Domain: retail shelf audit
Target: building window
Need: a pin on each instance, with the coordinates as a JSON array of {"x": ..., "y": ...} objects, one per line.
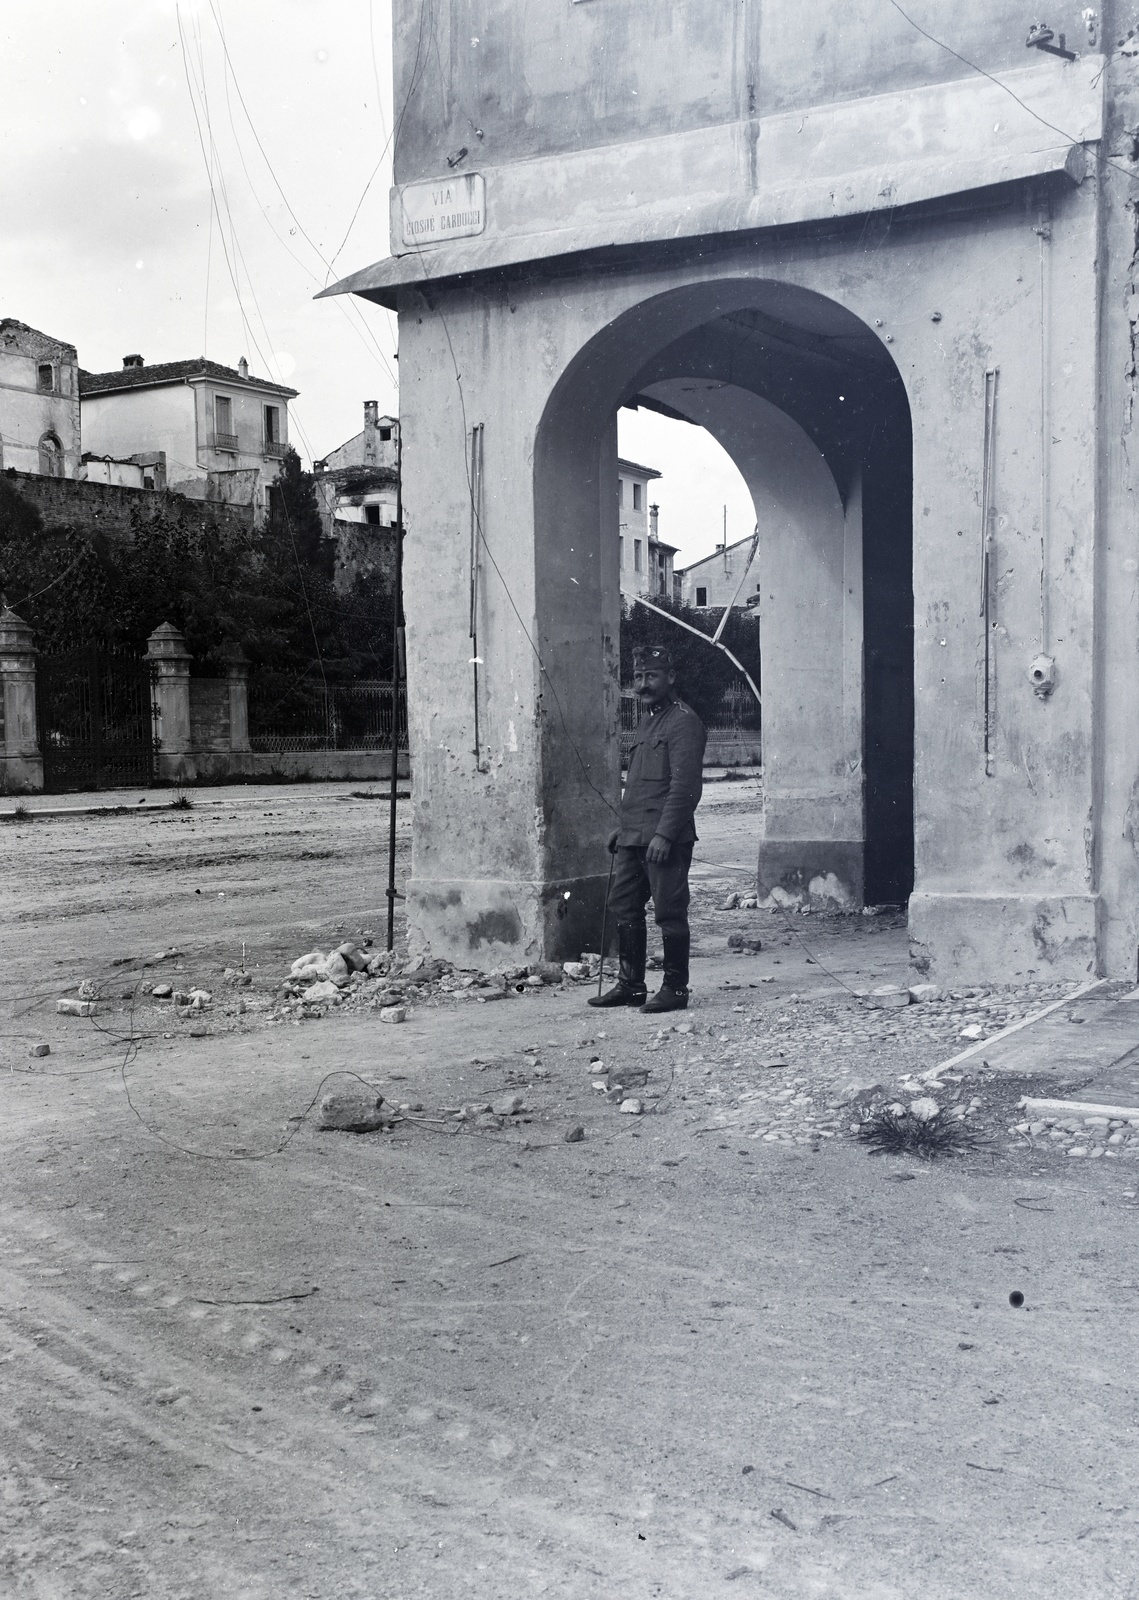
[
  {"x": 45, "y": 378},
  {"x": 51, "y": 456},
  {"x": 272, "y": 425},
  {"x": 620, "y": 491},
  {"x": 224, "y": 437},
  {"x": 638, "y": 563},
  {"x": 701, "y": 596},
  {"x": 385, "y": 435},
  {"x": 638, "y": 496},
  {"x": 372, "y": 515}
]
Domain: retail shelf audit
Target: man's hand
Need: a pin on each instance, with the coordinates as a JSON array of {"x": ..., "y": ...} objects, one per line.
[
  {"x": 611, "y": 842},
  {"x": 658, "y": 849}
]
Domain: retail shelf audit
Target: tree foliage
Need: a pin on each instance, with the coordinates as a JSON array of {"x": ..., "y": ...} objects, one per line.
[
  {"x": 703, "y": 673},
  {"x": 218, "y": 581}
]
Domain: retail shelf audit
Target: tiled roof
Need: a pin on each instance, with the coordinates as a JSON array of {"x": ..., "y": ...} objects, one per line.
[
  {"x": 166, "y": 372},
  {"x": 634, "y": 466},
  {"x": 10, "y": 323}
]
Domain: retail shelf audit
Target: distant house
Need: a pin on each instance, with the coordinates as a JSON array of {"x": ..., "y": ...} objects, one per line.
[
  {"x": 39, "y": 402},
  {"x": 646, "y": 562},
  {"x": 222, "y": 432},
  {"x": 713, "y": 581},
  {"x": 356, "y": 490}
]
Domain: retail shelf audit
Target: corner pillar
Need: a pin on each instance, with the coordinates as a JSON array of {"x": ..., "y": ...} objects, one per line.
[{"x": 21, "y": 765}]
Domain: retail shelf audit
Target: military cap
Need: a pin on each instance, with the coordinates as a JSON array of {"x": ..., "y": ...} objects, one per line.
[{"x": 652, "y": 655}]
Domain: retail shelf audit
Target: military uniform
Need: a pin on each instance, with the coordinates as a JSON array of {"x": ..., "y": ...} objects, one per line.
[{"x": 662, "y": 791}]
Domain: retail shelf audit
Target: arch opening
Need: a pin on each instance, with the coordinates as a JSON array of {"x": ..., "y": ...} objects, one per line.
[{"x": 809, "y": 405}]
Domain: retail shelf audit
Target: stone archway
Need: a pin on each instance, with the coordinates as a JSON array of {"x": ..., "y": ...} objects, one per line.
[{"x": 804, "y": 398}]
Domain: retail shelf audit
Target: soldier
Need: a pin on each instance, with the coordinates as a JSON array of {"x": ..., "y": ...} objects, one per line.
[{"x": 653, "y": 844}]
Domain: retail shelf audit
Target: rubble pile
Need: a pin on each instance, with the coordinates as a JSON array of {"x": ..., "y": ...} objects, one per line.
[{"x": 354, "y": 977}]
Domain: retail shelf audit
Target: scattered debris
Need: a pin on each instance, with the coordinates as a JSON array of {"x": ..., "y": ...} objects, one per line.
[
  {"x": 353, "y": 1112},
  {"x": 575, "y": 1134},
  {"x": 40, "y": 1050},
  {"x": 393, "y": 1014},
  {"x": 887, "y": 996},
  {"x": 75, "y": 1008}
]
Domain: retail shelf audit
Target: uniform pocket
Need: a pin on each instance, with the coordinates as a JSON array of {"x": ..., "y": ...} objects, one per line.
[{"x": 654, "y": 763}]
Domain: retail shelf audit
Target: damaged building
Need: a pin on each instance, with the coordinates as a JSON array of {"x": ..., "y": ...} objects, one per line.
[
  {"x": 892, "y": 269},
  {"x": 357, "y": 493}
]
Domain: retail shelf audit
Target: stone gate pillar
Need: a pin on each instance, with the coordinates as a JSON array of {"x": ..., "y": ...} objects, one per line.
[
  {"x": 174, "y": 759},
  {"x": 21, "y": 765}
]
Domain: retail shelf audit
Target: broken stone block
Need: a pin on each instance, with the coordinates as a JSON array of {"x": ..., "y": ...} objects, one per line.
[
  {"x": 336, "y": 969},
  {"x": 87, "y": 990},
  {"x": 393, "y": 1013},
  {"x": 730, "y": 903},
  {"x": 924, "y": 1109},
  {"x": 575, "y": 1134},
  {"x": 508, "y": 1107},
  {"x": 578, "y": 970},
  {"x": 201, "y": 998},
  {"x": 548, "y": 971},
  {"x": 75, "y": 1008},
  {"x": 743, "y": 941},
  {"x": 162, "y": 991},
  {"x": 40, "y": 1050},
  {"x": 352, "y": 1112},
  {"x": 888, "y": 995},
  {"x": 487, "y": 1119},
  {"x": 921, "y": 993},
  {"x": 973, "y": 1031},
  {"x": 631, "y": 1107},
  {"x": 314, "y": 958},
  {"x": 324, "y": 990},
  {"x": 236, "y": 978},
  {"x": 858, "y": 1093}
]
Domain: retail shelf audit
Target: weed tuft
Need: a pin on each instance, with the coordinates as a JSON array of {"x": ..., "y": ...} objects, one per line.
[{"x": 900, "y": 1133}]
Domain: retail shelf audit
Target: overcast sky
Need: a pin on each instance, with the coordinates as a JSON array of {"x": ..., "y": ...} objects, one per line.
[{"x": 114, "y": 117}]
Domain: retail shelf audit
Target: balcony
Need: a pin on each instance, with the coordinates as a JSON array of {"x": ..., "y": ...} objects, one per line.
[
  {"x": 224, "y": 441},
  {"x": 273, "y": 449}
]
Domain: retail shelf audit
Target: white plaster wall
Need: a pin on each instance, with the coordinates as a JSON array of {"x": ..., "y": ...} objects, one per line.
[
  {"x": 990, "y": 849},
  {"x": 128, "y": 421},
  {"x": 809, "y": 563}
]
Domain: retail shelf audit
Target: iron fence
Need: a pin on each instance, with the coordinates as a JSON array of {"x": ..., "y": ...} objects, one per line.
[
  {"x": 95, "y": 719},
  {"x": 335, "y": 716}
]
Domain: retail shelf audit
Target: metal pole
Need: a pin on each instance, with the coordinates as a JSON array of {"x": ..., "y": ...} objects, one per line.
[{"x": 398, "y": 659}]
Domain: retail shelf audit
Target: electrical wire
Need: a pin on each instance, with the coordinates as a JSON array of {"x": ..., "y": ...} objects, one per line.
[
  {"x": 974, "y": 67},
  {"x": 231, "y": 73}
]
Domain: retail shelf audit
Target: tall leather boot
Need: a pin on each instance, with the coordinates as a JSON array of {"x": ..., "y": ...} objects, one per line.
[
  {"x": 673, "y": 992},
  {"x": 629, "y": 990}
]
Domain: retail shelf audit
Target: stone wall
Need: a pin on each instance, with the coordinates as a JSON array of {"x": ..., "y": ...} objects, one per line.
[
  {"x": 112, "y": 509},
  {"x": 209, "y": 714}
]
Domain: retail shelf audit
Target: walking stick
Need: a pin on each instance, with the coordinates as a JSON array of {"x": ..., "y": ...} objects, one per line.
[{"x": 604, "y": 923}]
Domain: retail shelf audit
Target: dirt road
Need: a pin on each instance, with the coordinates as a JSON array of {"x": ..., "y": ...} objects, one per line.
[{"x": 673, "y": 1359}]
